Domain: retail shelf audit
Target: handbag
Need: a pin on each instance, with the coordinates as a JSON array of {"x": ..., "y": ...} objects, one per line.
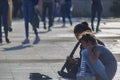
[{"x": 35, "y": 21}]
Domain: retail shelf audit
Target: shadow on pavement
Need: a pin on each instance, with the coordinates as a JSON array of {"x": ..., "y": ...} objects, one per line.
[
  {"x": 17, "y": 47},
  {"x": 39, "y": 76}
]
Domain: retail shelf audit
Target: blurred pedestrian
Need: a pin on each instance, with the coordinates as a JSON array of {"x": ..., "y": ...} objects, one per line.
[
  {"x": 57, "y": 7},
  {"x": 96, "y": 9},
  {"x": 17, "y": 7},
  {"x": 48, "y": 11},
  {"x": 29, "y": 9},
  {"x": 66, "y": 9},
  {"x": 4, "y": 7}
]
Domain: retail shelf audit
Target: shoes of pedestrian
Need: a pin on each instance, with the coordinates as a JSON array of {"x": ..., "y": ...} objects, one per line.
[
  {"x": 71, "y": 23},
  {"x": 9, "y": 29},
  {"x": 8, "y": 41},
  {"x": 98, "y": 30},
  {"x": 60, "y": 73},
  {"x": 49, "y": 29},
  {"x": 26, "y": 41},
  {"x": 37, "y": 40},
  {"x": 0, "y": 41}
]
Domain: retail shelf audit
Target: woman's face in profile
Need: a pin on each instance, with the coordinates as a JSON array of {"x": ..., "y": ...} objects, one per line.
[{"x": 78, "y": 36}]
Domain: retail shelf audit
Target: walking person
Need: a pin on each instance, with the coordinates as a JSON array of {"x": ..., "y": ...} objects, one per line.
[
  {"x": 48, "y": 11},
  {"x": 4, "y": 7},
  {"x": 29, "y": 10},
  {"x": 66, "y": 6},
  {"x": 17, "y": 7},
  {"x": 96, "y": 9}
]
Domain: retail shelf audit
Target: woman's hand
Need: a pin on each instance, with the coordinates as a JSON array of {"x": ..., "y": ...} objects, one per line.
[
  {"x": 36, "y": 7},
  {"x": 94, "y": 56},
  {"x": 71, "y": 60}
]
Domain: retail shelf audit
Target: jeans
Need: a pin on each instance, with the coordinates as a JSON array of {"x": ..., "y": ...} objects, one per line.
[
  {"x": 97, "y": 68},
  {"x": 28, "y": 11},
  {"x": 48, "y": 6},
  {"x": 96, "y": 9},
  {"x": 4, "y": 19},
  {"x": 65, "y": 12}
]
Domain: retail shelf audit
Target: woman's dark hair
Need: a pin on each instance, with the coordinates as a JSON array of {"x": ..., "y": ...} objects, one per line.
[
  {"x": 88, "y": 37},
  {"x": 81, "y": 27}
]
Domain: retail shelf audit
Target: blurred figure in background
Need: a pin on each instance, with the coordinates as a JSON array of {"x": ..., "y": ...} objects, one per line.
[
  {"x": 4, "y": 7},
  {"x": 66, "y": 7},
  {"x": 96, "y": 8},
  {"x": 57, "y": 7},
  {"x": 47, "y": 7},
  {"x": 17, "y": 8},
  {"x": 29, "y": 9}
]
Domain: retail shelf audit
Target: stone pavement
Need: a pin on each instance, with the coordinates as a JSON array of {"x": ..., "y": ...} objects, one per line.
[{"x": 18, "y": 61}]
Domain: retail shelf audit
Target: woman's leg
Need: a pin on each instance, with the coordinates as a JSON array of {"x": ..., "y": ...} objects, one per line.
[
  {"x": 63, "y": 14},
  {"x": 99, "y": 14},
  {"x": 50, "y": 15},
  {"x": 5, "y": 21},
  {"x": 97, "y": 68},
  {"x": 93, "y": 13},
  {"x": 0, "y": 29},
  {"x": 26, "y": 18},
  {"x": 44, "y": 11},
  {"x": 68, "y": 12},
  {"x": 31, "y": 13}
]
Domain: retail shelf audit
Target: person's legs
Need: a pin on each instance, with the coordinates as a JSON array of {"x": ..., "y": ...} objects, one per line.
[
  {"x": 5, "y": 21},
  {"x": 93, "y": 13},
  {"x": 99, "y": 13},
  {"x": 15, "y": 8},
  {"x": 50, "y": 15},
  {"x": 111, "y": 70},
  {"x": 97, "y": 68},
  {"x": 31, "y": 13},
  {"x": 68, "y": 12},
  {"x": 26, "y": 16},
  {"x": 44, "y": 10},
  {"x": 0, "y": 28},
  {"x": 25, "y": 12},
  {"x": 63, "y": 14}
]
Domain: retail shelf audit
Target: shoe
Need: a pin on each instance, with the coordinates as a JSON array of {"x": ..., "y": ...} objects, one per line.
[
  {"x": 63, "y": 25},
  {"x": 92, "y": 27},
  {"x": 9, "y": 29},
  {"x": 98, "y": 30},
  {"x": 37, "y": 40},
  {"x": 0, "y": 41},
  {"x": 26, "y": 41},
  {"x": 71, "y": 23},
  {"x": 49, "y": 29},
  {"x": 8, "y": 41}
]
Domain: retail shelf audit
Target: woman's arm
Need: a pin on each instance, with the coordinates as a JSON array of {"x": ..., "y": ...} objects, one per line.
[{"x": 94, "y": 55}]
